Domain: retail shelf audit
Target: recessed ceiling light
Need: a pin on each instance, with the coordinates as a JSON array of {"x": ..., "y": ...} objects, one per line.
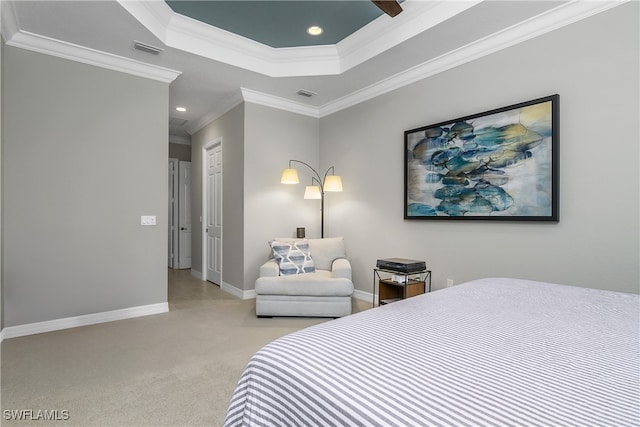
[
  {"x": 314, "y": 30},
  {"x": 181, "y": 109}
]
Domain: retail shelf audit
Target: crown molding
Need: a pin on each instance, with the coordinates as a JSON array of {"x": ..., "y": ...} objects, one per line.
[
  {"x": 14, "y": 36},
  {"x": 252, "y": 97},
  {"x": 196, "y": 37},
  {"x": 267, "y": 100},
  {"x": 383, "y": 33},
  {"x": 210, "y": 42},
  {"x": 551, "y": 20},
  {"x": 73, "y": 52},
  {"x": 176, "y": 29},
  {"x": 561, "y": 16}
]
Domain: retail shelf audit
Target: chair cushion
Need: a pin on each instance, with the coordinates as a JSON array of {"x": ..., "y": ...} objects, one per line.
[
  {"x": 292, "y": 256},
  {"x": 319, "y": 283},
  {"x": 325, "y": 251}
]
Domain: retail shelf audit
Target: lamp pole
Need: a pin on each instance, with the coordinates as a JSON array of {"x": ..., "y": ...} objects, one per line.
[{"x": 321, "y": 185}]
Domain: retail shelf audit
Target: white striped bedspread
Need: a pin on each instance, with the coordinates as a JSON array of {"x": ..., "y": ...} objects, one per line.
[{"x": 491, "y": 352}]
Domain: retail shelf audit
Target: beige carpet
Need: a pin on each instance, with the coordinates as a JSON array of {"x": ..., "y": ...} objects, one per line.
[{"x": 172, "y": 369}]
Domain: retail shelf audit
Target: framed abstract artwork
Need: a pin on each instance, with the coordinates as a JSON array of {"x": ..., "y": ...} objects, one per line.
[{"x": 496, "y": 165}]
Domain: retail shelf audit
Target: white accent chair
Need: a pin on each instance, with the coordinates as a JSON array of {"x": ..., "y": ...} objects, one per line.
[{"x": 324, "y": 293}]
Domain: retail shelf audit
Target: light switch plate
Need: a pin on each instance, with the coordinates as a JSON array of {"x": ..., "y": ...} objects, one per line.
[{"x": 148, "y": 220}]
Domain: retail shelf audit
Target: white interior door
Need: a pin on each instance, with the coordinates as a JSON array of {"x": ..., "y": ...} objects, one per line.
[
  {"x": 213, "y": 214},
  {"x": 184, "y": 214},
  {"x": 172, "y": 259}
]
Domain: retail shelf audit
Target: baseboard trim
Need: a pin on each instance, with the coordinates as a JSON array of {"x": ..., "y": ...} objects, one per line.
[
  {"x": 197, "y": 274},
  {"x": 362, "y": 295},
  {"x": 126, "y": 313},
  {"x": 88, "y": 319},
  {"x": 242, "y": 294}
]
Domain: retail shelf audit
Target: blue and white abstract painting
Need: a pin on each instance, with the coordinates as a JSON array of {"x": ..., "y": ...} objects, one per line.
[{"x": 495, "y": 164}]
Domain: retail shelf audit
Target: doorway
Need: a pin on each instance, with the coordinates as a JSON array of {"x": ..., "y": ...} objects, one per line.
[
  {"x": 212, "y": 211},
  {"x": 173, "y": 214},
  {"x": 179, "y": 232}
]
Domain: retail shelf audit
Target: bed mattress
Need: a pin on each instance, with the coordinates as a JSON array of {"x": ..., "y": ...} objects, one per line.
[{"x": 490, "y": 352}]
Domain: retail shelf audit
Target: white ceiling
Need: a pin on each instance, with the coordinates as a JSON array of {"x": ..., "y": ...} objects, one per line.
[{"x": 216, "y": 70}]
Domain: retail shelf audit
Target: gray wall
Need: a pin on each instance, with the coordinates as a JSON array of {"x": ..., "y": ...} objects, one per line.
[
  {"x": 1, "y": 221},
  {"x": 257, "y": 143},
  {"x": 272, "y": 209},
  {"x": 365, "y": 144},
  {"x": 593, "y": 65},
  {"x": 84, "y": 156},
  {"x": 230, "y": 128}
]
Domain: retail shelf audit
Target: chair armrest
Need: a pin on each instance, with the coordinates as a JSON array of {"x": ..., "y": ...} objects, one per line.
[
  {"x": 270, "y": 269},
  {"x": 341, "y": 268}
]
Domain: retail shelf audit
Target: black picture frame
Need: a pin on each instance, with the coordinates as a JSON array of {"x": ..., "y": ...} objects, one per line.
[{"x": 498, "y": 165}]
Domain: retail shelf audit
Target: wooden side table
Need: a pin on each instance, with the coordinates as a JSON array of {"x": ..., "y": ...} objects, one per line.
[{"x": 409, "y": 285}]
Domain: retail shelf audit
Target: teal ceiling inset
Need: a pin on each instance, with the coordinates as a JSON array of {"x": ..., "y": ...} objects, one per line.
[{"x": 282, "y": 23}]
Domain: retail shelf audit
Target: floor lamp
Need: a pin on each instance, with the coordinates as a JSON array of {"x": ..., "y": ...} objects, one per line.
[{"x": 329, "y": 182}]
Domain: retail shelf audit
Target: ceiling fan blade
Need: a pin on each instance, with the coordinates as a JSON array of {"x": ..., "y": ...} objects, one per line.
[{"x": 390, "y": 7}]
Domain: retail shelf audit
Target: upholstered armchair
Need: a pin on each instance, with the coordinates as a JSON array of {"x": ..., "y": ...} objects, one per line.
[{"x": 306, "y": 277}]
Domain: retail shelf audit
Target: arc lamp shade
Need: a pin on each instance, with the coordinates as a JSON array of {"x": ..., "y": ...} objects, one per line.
[
  {"x": 333, "y": 183},
  {"x": 289, "y": 176},
  {"x": 312, "y": 192}
]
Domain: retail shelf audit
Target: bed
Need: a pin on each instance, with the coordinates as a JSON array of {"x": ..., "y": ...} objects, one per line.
[{"x": 490, "y": 352}]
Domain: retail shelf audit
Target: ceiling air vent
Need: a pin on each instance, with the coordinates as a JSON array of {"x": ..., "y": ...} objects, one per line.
[
  {"x": 147, "y": 48},
  {"x": 306, "y": 93}
]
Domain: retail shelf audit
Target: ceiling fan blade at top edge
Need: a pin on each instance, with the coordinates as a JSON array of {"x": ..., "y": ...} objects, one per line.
[{"x": 390, "y": 7}]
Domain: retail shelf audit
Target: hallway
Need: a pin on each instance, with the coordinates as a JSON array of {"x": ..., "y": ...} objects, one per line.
[{"x": 187, "y": 291}]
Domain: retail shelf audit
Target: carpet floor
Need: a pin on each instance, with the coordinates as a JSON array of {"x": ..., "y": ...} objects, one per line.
[{"x": 172, "y": 369}]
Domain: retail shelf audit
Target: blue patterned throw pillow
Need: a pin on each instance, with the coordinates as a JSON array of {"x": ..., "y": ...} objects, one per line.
[{"x": 293, "y": 257}]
